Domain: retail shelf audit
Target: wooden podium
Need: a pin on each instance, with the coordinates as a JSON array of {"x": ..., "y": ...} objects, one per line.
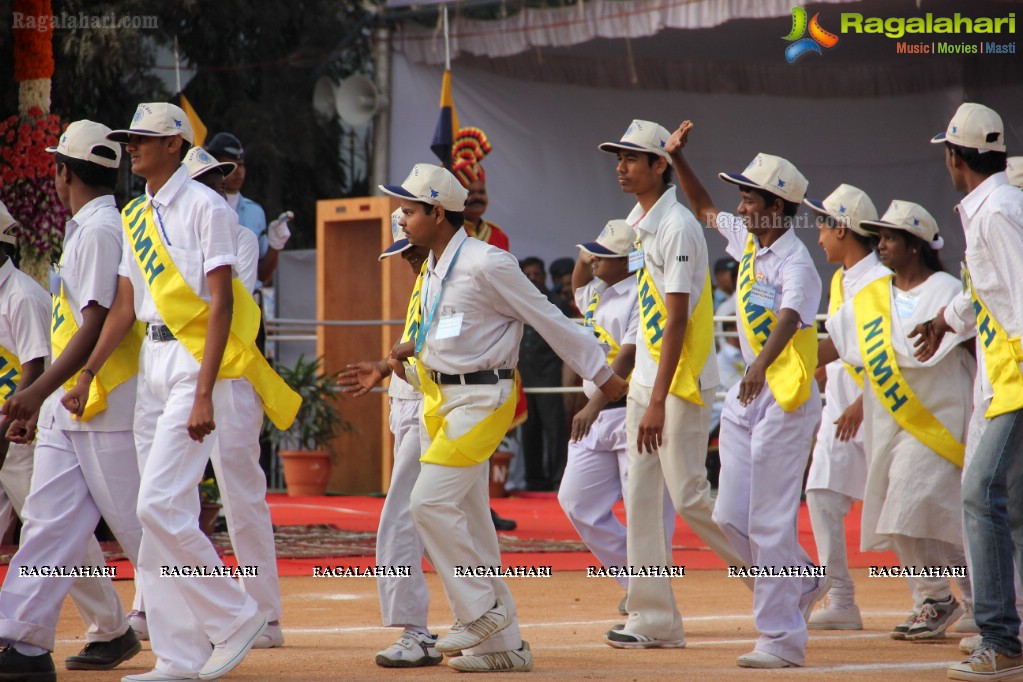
[{"x": 353, "y": 285}]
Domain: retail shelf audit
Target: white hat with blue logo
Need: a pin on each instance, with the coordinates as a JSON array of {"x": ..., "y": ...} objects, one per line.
[
  {"x": 909, "y": 217},
  {"x": 199, "y": 161},
  {"x": 974, "y": 126},
  {"x": 401, "y": 242},
  {"x": 772, "y": 174},
  {"x": 616, "y": 240},
  {"x": 848, "y": 205},
  {"x": 156, "y": 119},
  {"x": 430, "y": 184},
  {"x": 87, "y": 141},
  {"x": 642, "y": 136}
]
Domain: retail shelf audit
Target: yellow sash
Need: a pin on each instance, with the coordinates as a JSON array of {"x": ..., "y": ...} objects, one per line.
[
  {"x": 472, "y": 447},
  {"x": 187, "y": 316},
  {"x": 602, "y": 334},
  {"x": 837, "y": 298},
  {"x": 696, "y": 344},
  {"x": 872, "y": 306},
  {"x": 791, "y": 374},
  {"x": 121, "y": 366},
  {"x": 1002, "y": 358},
  {"x": 10, "y": 374}
]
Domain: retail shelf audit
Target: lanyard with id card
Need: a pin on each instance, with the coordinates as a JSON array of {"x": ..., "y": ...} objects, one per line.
[{"x": 450, "y": 325}]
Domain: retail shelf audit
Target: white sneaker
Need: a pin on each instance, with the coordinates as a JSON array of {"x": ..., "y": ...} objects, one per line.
[
  {"x": 969, "y": 644},
  {"x": 137, "y": 622},
  {"x": 412, "y": 650},
  {"x": 966, "y": 624},
  {"x": 518, "y": 660},
  {"x": 830, "y": 618},
  {"x": 271, "y": 638},
  {"x": 154, "y": 676},
  {"x": 809, "y": 599},
  {"x": 479, "y": 630},
  {"x": 762, "y": 659},
  {"x": 228, "y": 654},
  {"x": 627, "y": 639}
]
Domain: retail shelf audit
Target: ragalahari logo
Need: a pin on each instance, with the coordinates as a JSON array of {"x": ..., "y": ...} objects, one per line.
[{"x": 818, "y": 36}]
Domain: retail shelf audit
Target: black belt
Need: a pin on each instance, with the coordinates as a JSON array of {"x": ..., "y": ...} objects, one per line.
[
  {"x": 617, "y": 403},
  {"x": 159, "y": 332},
  {"x": 484, "y": 376}
]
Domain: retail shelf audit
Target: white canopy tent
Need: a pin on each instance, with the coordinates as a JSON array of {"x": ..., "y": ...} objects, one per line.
[{"x": 548, "y": 85}]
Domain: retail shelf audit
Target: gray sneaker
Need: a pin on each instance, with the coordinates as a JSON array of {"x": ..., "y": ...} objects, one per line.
[
  {"x": 900, "y": 630},
  {"x": 934, "y": 618},
  {"x": 412, "y": 650}
]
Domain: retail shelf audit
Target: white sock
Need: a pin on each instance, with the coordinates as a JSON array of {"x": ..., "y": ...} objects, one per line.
[{"x": 29, "y": 649}]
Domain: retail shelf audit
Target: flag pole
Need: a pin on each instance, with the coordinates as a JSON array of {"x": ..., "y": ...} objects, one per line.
[
  {"x": 177, "y": 65},
  {"x": 447, "y": 39}
]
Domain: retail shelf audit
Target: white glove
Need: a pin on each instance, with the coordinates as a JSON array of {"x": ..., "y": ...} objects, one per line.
[{"x": 277, "y": 233}]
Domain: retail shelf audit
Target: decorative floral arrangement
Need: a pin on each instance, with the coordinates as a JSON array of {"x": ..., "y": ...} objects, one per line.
[
  {"x": 209, "y": 491},
  {"x": 27, "y": 184},
  {"x": 33, "y": 49}
]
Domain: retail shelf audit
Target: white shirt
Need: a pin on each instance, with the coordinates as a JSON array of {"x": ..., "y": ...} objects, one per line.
[
  {"x": 992, "y": 217},
  {"x": 88, "y": 270},
  {"x": 494, "y": 299},
  {"x": 675, "y": 255},
  {"x": 24, "y": 317},
  {"x": 248, "y": 256},
  {"x": 617, "y": 313},
  {"x": 189, "y": 218},
  {"x": 785, "y": 265}
]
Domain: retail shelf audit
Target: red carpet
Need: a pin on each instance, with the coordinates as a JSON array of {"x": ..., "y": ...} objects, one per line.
[{"x": 539, "y": 517}]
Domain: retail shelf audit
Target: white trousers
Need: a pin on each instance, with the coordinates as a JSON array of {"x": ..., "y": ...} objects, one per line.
[
  {"x": 928, "y": 552},
  {"x": 184, "y": 614},
  {"x": 403, "y": 601},
  {"x": 595, "y": 478},
  {"x": 681, "y": 465},
  {"x": 451, "y": 510},
  {"x": 242, "y": 486},
  {"x": 78, "y": 477},
  {"x": 764, "y": 451},
  {"x": 828, "y": 510}
]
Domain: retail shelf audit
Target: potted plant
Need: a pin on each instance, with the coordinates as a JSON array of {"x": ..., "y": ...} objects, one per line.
[
  {"x": 209, "y": 505},
  {"x": 305, "y": 447}
]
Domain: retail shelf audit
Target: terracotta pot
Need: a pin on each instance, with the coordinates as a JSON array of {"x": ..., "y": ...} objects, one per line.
[
  {"x": 208, "y": 513},
  {"x": 306, "y": 472},
  {"x": 499, "y": 463}
]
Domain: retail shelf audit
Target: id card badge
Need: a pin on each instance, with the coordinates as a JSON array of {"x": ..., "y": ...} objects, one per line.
[
  {"x": 905, "y": 305},
  {"x": 55, "y": 281},
  {"x": 636, "y": 259},
  {"x": 763, "y": 295},
  {"x": 449, "y": 326}
]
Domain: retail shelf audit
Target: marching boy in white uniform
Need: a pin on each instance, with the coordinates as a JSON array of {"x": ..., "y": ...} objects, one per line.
[
  {"x": 838, "y": 470},
  {"x": 596, "y": 475},
  {"x": 84, "y": 468},
  {"x": 769, "y": 417},
  {"x": 404, "y": 601},
  {"x": 176, "y": 276},
  {"x": 671, "y": 390},
  {"x": 475, "y": 301}
]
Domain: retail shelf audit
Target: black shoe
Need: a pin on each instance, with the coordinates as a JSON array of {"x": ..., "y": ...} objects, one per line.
[
  {"x": 502, "y": 523},
  {"x": 105, "y": 655},
  {"x": 18, "y": 667}
]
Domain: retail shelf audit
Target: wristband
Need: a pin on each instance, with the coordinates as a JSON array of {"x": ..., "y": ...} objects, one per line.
[{"x": 91, "y": 373}]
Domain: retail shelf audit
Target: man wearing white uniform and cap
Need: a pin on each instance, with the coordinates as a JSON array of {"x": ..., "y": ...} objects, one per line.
[
  {"x": 85, "y": 468},
  {"x": 176, "y": 276},
  {"x": 475, "y": 301},
  {"x": 992, "y": 216},
  {"x": 770, "y": 417},
  {"x": 404, "y": 600},
  {"x": 596, "y": 475},
  {"x": 838, "y": 470},
  {"x": 671, "y": 390}
]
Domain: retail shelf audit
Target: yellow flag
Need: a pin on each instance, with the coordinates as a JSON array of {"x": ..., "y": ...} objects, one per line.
[{"x": 198, "y": 127}]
